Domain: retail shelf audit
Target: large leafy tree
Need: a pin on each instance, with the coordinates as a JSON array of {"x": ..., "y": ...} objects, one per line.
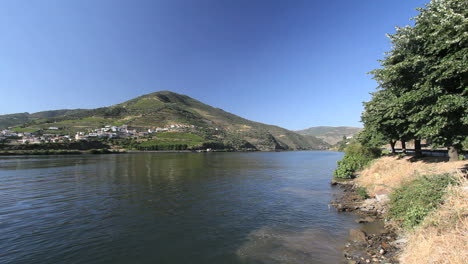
[
  {"x": 426, "y": 72},
  {"x": 443, "y": 27},
  {"x": 381, "y": 118},
  {"x": 398, "y": 81}
]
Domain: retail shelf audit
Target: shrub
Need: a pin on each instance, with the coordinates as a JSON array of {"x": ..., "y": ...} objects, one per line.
[
  {"x": 410, "y": 203},
  {"x": 362, "y": 192},
  {"x": 356, "y": 157}
]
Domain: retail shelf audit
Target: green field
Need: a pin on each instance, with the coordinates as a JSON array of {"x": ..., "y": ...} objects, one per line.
[{"x": 22, "y": 129}]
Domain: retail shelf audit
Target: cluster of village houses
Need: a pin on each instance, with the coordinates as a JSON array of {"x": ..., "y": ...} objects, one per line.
[{"x": 122, "y": 131}]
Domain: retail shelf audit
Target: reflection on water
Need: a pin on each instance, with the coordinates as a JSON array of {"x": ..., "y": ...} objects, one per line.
[
  {"x": 306, "y": 193},
  {"x": 170, "y": 208}
]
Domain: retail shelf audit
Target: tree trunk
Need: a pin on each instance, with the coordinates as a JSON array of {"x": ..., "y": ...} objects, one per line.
[
  {"x": 392, "y": 145},
  {"x": 417, "y": 148},
  {"x": 452, "y": 153},
  {"x": 403, "y": 146}
]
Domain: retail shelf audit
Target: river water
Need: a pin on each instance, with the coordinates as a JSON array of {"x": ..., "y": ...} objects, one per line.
[{"x": 171, "y": 208}]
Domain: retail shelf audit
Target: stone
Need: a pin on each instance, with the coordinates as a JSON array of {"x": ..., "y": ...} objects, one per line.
[
  {"x": 369, "y": 202},
  {"x": 369, "y": 205},
  {"x": 365, "y": 220},
  {"x": 384, "y": 245},
  {"x": 357, "y": 235},
  {"x": 400, "y": 242},
  {"x": 382, "y": 198}
]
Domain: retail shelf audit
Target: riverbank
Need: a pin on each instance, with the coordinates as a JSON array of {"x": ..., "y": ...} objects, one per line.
[
  {"x": 97, "y": 151},
  {"x": 375, "y": 245},
  {"x": 58, "y": 152},
  {"x": 114, "y": 151},
  {"x": 439, "y": 235}
]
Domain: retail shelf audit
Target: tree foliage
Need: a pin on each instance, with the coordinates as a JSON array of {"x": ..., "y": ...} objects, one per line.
[
  {"x": 423, "y": 80},
  {"x": 356, "y": 158}
]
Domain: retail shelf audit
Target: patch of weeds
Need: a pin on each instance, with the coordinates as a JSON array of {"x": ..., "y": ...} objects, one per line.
[
  {"x": 386, "y": 152},
  {"x": 361, "y": 191},
  {"x": 409, "y": 204}
]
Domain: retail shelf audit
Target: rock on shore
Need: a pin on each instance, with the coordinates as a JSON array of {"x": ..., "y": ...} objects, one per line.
[{"x": 377, "y": 246}]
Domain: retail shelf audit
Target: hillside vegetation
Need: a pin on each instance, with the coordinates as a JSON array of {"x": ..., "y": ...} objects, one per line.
[{"x": 162, "y": 109}]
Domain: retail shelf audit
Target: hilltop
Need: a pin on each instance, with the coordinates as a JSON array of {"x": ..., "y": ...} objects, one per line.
[
  {"x": 163, "y": 109},
  {"x": 329, "y": 134}
]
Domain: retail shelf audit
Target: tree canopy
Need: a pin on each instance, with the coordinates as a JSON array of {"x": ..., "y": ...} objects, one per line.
[{"x": 422, "y": 90}]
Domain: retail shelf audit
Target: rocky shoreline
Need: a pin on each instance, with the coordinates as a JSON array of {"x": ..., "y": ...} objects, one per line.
[{"x": 374, "y": 241}]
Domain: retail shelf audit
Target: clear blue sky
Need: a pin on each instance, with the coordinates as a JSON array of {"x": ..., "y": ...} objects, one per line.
[{"x": 291, "y": 63}]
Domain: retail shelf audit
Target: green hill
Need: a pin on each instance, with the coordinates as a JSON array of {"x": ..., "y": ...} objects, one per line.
[
  {"x": 329, "y": 134},
  {"x": 24, "y": 119},
  {"x": 162, "y": 109}
]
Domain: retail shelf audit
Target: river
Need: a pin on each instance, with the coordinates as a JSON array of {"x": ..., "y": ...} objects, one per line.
[{"x": 171, "y": 208}]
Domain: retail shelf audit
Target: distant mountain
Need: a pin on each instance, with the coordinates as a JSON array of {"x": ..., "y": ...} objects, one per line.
[
  {"x": 10, "y": 120},
  {"x": 331, "y": 135},
  {"x": 161, "y": 109}
]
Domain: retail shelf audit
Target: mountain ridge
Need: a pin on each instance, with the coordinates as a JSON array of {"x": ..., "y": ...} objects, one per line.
[
  {"x": 330, "y": 134},
  {"x": 165, "y": 108}
]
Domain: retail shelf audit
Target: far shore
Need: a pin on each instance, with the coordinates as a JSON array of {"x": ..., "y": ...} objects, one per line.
[{"x": 104, "y": 151}]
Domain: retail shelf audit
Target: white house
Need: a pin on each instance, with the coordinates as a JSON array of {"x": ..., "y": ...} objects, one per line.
[{"x": 80, "y": 136}]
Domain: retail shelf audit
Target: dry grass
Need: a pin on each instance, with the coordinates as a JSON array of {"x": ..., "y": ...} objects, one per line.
[
  {"x": 388, "y": 173},
  {"x": 443, "y": 236}
]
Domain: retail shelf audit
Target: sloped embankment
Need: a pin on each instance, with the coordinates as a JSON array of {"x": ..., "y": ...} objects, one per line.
[
  {"x": 388, "y": 173},
  {"x": 443, "y": 235},
  {"x": 426, "y": 211}
]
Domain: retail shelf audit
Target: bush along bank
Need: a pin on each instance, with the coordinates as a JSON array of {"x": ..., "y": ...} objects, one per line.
[
  {"x": 405, "y": 196},
  {"x": 355, "y": 159}
]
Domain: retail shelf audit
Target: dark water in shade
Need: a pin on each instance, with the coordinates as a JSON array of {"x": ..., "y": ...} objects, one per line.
[{"x": 170, "y": 208}]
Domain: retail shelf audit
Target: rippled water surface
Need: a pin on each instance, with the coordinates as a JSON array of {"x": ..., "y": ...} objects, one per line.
[{"x": 170, "y": 208}]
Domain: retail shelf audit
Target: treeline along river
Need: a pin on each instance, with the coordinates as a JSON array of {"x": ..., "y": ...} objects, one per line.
[{"x": 170, "y": 208}]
